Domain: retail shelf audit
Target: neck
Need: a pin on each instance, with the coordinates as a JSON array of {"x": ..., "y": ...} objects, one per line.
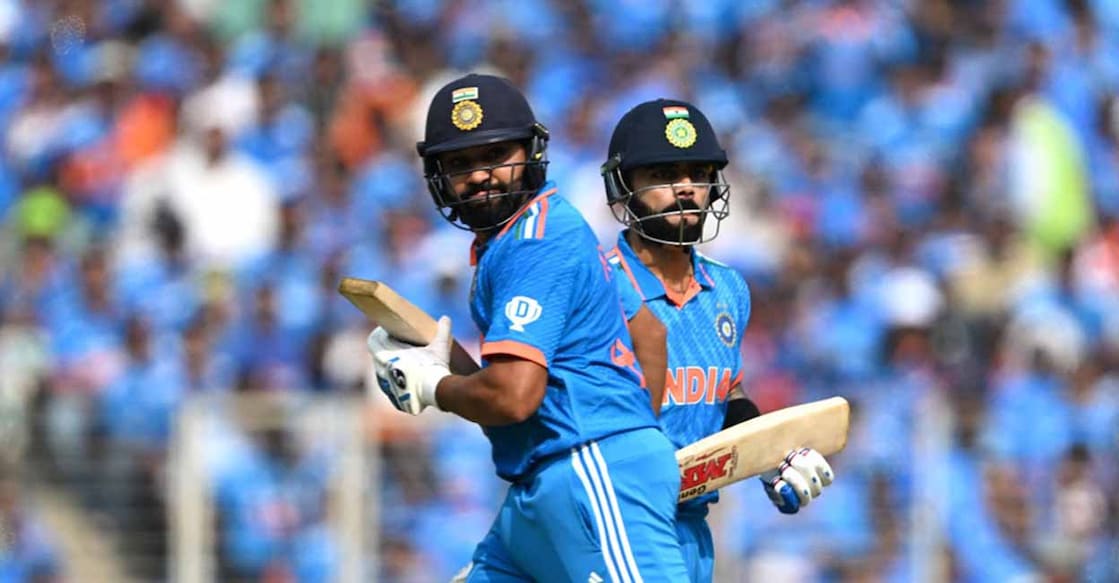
[{"x": 671, "y": 263}]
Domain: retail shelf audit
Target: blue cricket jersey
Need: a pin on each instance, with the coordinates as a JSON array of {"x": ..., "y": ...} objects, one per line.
[
  {"x": 705, "y": 328},
  {"x": 542, "y": 291}
]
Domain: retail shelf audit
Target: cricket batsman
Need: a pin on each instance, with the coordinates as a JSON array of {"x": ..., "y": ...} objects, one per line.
[
  {"x": 593, "y": 480},
  {"x": 664, "y": 182}
]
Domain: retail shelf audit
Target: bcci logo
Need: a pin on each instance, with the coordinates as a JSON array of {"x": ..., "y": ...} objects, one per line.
[
  {"x": 680, "y": 133},
  {"x": 467, "y": 115},
  {"x": 522, "y": 310},
  {"x": 725, "y": 328}
]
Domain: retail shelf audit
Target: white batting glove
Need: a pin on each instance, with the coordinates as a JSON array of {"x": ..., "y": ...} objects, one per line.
[
  {"x": 408, "y": 375},
  {"x": 798, "y": 480}
]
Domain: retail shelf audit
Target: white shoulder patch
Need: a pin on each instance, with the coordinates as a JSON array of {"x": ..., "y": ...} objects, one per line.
[{"x": 522, "y": 310}]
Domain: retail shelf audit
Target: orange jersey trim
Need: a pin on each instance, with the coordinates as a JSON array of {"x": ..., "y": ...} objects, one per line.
[
  {"x": 517, "y": 349},
  {"x": 680, "y": 299},
  {"x": 707, "y": 276},
  {"x": 540, "y": 220},
  {"x": 542, "y": 198},
  {"x": 629, "y": 273}
]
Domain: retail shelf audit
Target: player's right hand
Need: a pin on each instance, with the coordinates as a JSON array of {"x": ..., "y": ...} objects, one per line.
[
  {"x": 798, "y": 480},
  {"x": 409, "y": 375}
]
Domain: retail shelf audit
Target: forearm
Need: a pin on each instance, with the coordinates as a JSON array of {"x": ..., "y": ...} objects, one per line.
[
  {"x": 652, "y": 355},
  {"x": 650, "y": 348},
  {"x": 482, "y": 398}
]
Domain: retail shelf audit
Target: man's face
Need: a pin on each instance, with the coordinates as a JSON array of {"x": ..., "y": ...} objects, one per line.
[
  {"x": 481, "y": 176},
  {"x": 679, "y": 191}
]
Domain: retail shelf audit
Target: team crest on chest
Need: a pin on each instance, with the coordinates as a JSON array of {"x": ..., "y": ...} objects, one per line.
[{"x": 725, "y": 328}]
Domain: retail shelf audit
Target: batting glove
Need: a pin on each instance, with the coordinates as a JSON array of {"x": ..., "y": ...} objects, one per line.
[
  {"x": 798, "y": 480},
  {"x": 408, "y": 375}
]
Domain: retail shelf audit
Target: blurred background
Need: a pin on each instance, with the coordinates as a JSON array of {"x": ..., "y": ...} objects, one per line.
[{"x": 925, "y": 201}]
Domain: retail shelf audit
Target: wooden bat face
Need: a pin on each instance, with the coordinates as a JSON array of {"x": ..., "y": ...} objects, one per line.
[
  {"x": 760, "y": 444},
  {"x": 401, "y": 318}
]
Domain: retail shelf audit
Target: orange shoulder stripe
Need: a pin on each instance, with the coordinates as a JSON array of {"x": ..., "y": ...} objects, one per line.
[
  {"x": 516, "y": 217},
  {"x": 625, "y": 267}
]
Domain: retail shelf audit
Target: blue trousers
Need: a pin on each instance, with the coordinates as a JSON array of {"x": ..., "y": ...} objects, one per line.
[
  {"x": 695, "y": 542},
  {"x": 604, "y": 512}
]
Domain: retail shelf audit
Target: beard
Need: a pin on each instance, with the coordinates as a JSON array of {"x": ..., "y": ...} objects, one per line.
[
  {"x": 654, "y": 223},
  {"x": 488, "y": 211}
]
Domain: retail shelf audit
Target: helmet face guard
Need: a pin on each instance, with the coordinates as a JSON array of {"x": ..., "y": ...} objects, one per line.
[
  {"x": 480, "y": 214},
  {"x": 652, "y": 224}
]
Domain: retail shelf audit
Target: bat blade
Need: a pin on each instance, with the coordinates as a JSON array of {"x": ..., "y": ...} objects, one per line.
[
  {"x": 401, "y": 318},
  {"x": 760, "y": 444}
]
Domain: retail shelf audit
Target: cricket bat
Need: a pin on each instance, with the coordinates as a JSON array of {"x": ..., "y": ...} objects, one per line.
[
  {"x": 760, "y": 444},
  {"x": 401, "y": 318},
  {"x": 734, "y": 454}
]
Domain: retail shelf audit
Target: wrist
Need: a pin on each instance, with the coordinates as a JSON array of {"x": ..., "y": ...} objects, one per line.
[{"x": 431, "y": 379}]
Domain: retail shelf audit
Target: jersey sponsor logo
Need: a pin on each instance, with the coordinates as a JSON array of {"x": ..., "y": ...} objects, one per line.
[
  {"x": 725, "y": 328},
  {"x": 691, "y": 385},
  {"x": 522, "y": 310},
  {"x": 697, "y": 475}
]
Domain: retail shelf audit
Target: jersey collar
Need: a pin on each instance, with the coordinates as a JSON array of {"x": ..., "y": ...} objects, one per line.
[
  {"x": 649, "y": 285},
  {"x": 477, "y": 247}
]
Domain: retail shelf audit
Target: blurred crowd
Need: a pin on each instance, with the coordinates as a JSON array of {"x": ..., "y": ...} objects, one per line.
[{"x": 925, "y": 204}]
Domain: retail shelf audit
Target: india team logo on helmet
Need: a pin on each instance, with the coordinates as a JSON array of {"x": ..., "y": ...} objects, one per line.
[
  {"x": 466, "y": 114},
  {"x": 679, "y": 131}
]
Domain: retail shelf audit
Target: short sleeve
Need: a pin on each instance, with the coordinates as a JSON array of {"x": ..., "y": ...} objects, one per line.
[
  {"x": 744, "y": 303},
  {"x": 532, "y": 283},
  {"x": 631, "y": 299}
]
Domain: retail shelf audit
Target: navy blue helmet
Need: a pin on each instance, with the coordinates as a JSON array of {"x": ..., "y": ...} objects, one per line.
[
  {"x": 665, "y": 131},
  {"x": 477, "y": 110}
]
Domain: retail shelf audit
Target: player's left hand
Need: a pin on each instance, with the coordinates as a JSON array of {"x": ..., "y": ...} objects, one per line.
[
  {"x": 408, "y": 375},
  {"x": 798, "y": 480}
]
